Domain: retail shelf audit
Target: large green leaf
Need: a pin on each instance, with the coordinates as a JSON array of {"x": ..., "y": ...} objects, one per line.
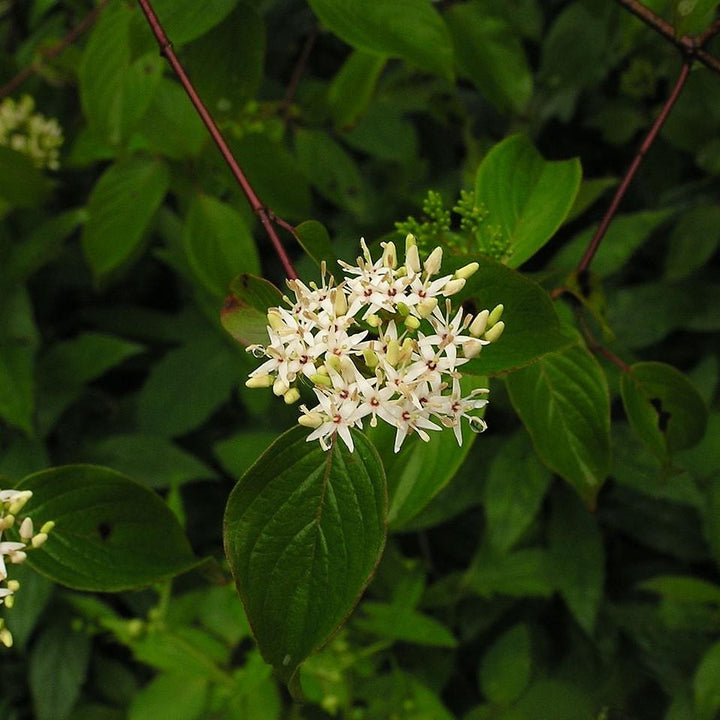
[
  {"x": 111, "y": 533},
  {"x": 707, "y": 684},
  {"x": 304, "y": 530},
  {"x": 409, "y": 29},
  {"x": 244, "y": 314},
  {"x": 352, "y": 88},
  {"x": 663, "y": 407},
  {"x": 58, "y": 666},
  {"x": 489, "y": 52},
  {"x": 120, "y": 208},
  {"x": 578, "y": 557},
  {"x": 532, "y": 327},
  {"x": 563, "y": 401},
  {"x": 218, "y": 244},
  {"x": 235, "y": 50},
  {"x": 693, "y": 241},
  {"x": 515, "y": 487},
  {"x": 526, "y": 197},
  {"x": 505, "y": 669}
]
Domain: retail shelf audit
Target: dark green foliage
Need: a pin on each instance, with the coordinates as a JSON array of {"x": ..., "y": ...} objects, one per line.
[{"x": 563, "y": 565}]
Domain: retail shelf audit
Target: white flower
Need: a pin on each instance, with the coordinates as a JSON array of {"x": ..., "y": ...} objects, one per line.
[{"x": 377, "y": 345}]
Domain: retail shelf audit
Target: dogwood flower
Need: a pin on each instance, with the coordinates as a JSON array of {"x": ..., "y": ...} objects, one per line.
[
  {"x": 30, "y": 133},
  {"x": 385, "y": 343},
  {"x": 14, "y": 552}
]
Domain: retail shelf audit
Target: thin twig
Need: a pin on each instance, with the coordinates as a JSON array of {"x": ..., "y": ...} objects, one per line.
[
  {"x": 298, "y": 71},
  {"x": 692, "y": 47},
  {"x": 53, "y": 51},
  {"x": 705, "y": 37},
  {"x": 595, "y": 347},
  {"x": 260, "y": 210},
  {"x": 630, "y": 174}
]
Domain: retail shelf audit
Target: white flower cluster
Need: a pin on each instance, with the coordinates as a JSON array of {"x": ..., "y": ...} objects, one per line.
[
  {"x": 384, "y": 343},
  {"x": 11, "y": 503},
  {"x": 30, "y": 133}
]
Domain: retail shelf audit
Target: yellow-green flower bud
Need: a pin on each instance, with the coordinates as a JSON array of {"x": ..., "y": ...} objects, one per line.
[
  {"x": 9, "y": 601},
  {"x": 389, "y": 257},
  {"x": 333, "y": 361},
  {"x": 412, "y": 322},
  {"x": 47, "y": 527},
  {"x": 310, "y": 419},
  {"x": 472, "y": 348},
  {"x": 373, "y": 321},
  {"x": 38, "y": 540},
  {"x": 410, "y": 242},
  {"x": 426, "y": 306},
  {"x": 19, "y": 502},
  {"x": 280, "y": 387},
  {"x": 340, "y": 303},
  {"x": 393, "y": 352},
  {"x": 454, "y": 286},
  {"x": 434, "y": 261},
  {"x": 274, "y": 319},
  {"x": 478, "y": 325},
  {"x": 26, "y": 529},
  {"x": 495, "y": 332},
  {"x": 495, "y": 315},
  {"x": 13, "y": 585},
  {"x": 467, "y": 271},
  {"x": 371, "y": 358},
  {"x": 290, "y": 397},
  {"x": 5, "y": 636},
  {"x": 412, "y": 258},
  {"x": 320, "y": 379},
  {"x": 403, "y": 309}
]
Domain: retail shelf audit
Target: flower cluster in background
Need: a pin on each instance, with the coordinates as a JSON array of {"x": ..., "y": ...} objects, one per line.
[
  {"x": 14, "y": 552},
  {"x": 30, "y": 133},
  {"x": 384, "y": 343}
]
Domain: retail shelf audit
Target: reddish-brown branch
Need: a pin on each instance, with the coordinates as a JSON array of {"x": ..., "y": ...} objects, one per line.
[
  {"x": 260, "y": 210},
  {"x": 595, "y": 347},
  {"x": 630, "y": 174},
  {"x": 53, "y": 51},
  {"x": 692, "y": 47}
]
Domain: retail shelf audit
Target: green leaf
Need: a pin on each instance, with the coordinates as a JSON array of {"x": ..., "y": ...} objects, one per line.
[
  {"x": 237, "y": 453},
  {"x": 421, "y": 469},
  {"x": 578, "y": 557},
  {"x": 331, "y": 170},
  {"x": 514, "y": 490},
  {"x": 384, "y": 133},
  {"x": 707, "y": 685},
  {"x": 315, "y": 241},
  {"x": 304, "y": 530},
  {"x": 532, "y": 327},
  {"x": 506, "y": 666},
  {"x": 244, "y": 314},
  {"x": 564, "y": 403},
  {"x": 153, "y": 461},
  {"x": 624, "y": 236},
  {"x": 693, "y": 241},
  {"x": 235, "y": 50},
  {"x": 58, "y": 666},
  {"x": 171, "y": 126},
  {"x": 18, "y": 340},
  {"x": 177, "y": 696},
  {"x": 550, "y": 699},
  {"x": 663, "y": 407},
  {"x": 21, "y": 183},
  {"x": 185, "y": 20},
  {"x": 488, "y": 52},
  {"x": 186, "y": 386},
  {"x": 218, "y": 244},
  {"x": 683, "y": 589},
  {"x": 120, "y": 208},
  {"x": 111, "y": 533},
  {"x": 67, "y": 366},
  {"x": 520, "y": 573},
  {"x": 391, "y": 622},
  {"x": 275, "y": 175},
  {"x": 692, "y": 16},
  {"x": 352, "y": 88},
  {"x": 409, "y": 29},
  {"x": 527, "y": 197}
]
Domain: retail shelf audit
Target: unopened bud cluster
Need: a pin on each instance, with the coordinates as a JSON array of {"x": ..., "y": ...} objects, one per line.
[
  {"x": 30, "y": 133},
  {"x": 11, "y": 503},
  {"x": 384, "y": 343}
]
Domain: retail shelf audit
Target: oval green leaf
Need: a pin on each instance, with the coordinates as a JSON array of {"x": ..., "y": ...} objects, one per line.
[
  {"x": 304, "y": 530},
  {"x": 111, "y": 533},
  {"x": 663, "y": 407},
  {"x": 532, "y": 327},
  {"x": 244, "y": 314},
  {"x": 409, "y": 29},
  {"x": 120, "y": 208},
  {"x": 564, "y": 403},
  {"x": 526, "y": 197}
]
